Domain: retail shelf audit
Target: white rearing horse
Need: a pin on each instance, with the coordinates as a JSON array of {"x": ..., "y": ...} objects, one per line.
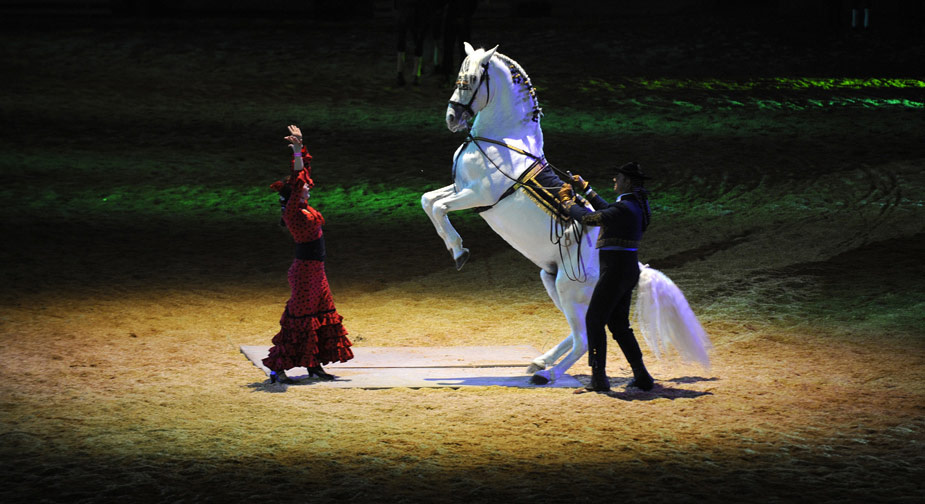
[{"x": 505, "y": 141}]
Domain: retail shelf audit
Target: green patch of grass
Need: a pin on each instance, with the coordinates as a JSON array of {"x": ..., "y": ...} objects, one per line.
[
  {"x": 900, "y": 311},
  {"x": 765, "y": 84},
  {"x": 132, "y": 203},
  {"x": 362, "y": 201}
]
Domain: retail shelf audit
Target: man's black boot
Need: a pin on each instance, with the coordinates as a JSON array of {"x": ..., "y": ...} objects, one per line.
[
  {"x": 599, "y": 380},
  {"x": 641, "y": 377}
]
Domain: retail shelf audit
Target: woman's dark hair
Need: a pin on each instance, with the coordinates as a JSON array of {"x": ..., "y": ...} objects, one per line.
[{"x": 284, "y": 193}]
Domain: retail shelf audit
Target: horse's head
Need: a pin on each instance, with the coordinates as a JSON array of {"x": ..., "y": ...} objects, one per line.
[{"x": 467, "y": 100}]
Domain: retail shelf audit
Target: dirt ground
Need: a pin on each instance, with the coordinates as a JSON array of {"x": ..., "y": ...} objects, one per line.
[{"x": 790, "y": 214}]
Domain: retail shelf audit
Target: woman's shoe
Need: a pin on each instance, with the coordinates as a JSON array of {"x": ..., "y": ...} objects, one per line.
[
  {"x": 280, "y": 376},
  {"x": 320, "y": 373}
]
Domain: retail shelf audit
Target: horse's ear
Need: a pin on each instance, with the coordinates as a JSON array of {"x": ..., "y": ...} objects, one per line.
[
  {"x": 468, "y": 47},
  {"x": 488, "y": 54}
]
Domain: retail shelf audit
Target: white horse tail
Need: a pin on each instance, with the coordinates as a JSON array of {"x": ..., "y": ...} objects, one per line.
[{"x": 665, "y": 319}]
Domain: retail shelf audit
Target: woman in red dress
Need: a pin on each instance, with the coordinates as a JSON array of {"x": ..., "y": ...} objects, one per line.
[{"x": 311, "y": 333}]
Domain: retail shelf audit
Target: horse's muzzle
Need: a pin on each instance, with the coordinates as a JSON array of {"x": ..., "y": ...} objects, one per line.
[{"x": 457, "y": 118}]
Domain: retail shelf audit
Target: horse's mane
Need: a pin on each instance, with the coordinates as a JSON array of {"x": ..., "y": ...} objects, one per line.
[{"x": 519, "y": 76}]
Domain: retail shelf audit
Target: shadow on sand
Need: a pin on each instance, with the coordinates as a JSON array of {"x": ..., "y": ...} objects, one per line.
[{"x": 659, "y": 391}]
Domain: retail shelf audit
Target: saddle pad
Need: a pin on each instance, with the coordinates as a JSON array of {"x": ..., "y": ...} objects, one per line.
[{"x": 542, "y": 186}]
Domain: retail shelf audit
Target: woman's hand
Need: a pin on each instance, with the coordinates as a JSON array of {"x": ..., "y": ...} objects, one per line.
[
  {"x": 295, "y": 143},
  {"x": 294, "y": 138}
]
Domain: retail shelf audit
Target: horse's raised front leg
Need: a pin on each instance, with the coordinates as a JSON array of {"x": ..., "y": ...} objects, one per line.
[
  {"x": 437, "y": 204},
  {"x": 428, "y": 200}
]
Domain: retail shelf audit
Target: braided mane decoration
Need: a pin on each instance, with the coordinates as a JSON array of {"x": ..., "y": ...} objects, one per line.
[{"x": 519, "y": 76}]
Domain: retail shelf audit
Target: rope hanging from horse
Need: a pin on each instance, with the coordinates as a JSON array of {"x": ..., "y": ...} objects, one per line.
[{"x": 557, "y": 230}]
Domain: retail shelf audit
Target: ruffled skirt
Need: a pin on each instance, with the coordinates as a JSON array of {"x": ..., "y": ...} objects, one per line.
[{"x": 311, "y": 332}]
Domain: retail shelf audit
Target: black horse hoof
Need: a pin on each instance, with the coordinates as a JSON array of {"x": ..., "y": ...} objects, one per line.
[
  {"x": 539, "y": 380},
  {"x": 462, "y": 259}
]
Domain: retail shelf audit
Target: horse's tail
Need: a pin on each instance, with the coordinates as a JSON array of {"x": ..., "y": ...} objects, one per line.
[{"x": 665, "y": 318}]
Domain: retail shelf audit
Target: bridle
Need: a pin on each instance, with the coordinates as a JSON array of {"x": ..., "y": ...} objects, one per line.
[{"x": 462, "y": 85}]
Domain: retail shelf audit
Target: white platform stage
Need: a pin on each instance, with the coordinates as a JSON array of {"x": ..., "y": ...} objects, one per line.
[{"x": 423, "y": 367}]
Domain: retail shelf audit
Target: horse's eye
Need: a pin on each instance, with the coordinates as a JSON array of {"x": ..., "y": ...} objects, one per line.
[{"x": 472, "y": 78}]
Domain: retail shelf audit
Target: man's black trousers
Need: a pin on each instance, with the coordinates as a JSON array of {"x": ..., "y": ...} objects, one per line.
[{"x": 610, "y": 306}]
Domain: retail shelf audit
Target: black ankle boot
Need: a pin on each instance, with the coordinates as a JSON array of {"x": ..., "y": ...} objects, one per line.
[
  {"x": 280, "y": 377},
  {"x": 599, "y": 380},
  {"x": 641, "y": 377},
  {"x": 320, "y": 373}
]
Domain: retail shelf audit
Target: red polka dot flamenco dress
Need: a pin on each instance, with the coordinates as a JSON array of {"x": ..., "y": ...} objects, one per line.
[{"x": 311, "y": 333}]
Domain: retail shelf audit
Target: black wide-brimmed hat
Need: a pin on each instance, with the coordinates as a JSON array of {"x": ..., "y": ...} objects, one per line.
[{"x": 632, "y": 170}]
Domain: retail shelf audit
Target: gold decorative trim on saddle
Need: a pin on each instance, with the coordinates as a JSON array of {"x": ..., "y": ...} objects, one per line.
[{"x": 541, "y": 185}]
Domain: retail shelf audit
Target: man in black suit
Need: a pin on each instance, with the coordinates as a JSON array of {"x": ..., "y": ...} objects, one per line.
[{"x": 622, "y": 225}]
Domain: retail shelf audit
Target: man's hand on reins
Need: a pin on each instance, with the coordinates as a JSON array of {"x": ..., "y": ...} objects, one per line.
[{"x": 580, "y": 184}]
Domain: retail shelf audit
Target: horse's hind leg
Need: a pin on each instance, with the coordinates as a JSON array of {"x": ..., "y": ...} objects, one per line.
[
  {"x": 549, "y": 358},
  {"x": 549, "y": 281},
  {"x": 573, "y": 299}
]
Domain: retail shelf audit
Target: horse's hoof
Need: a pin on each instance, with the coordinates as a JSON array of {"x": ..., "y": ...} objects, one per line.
[
  {"x": 536, "y": 365},
  {"x": 462, "y": 259},
  {"x": 539, "y": 379}
]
